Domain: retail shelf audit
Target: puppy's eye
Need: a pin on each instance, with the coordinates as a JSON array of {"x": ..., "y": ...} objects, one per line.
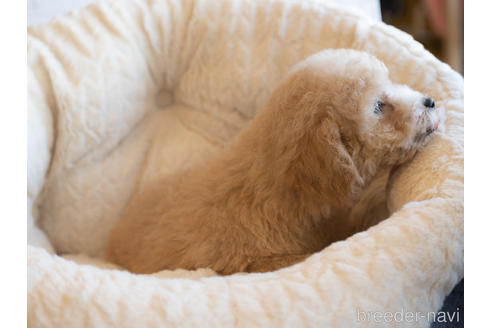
[{"x": 378, "y": 107}]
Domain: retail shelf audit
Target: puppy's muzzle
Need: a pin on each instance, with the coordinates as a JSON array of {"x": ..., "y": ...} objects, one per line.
[
  {"x": 432, "y": 128},
  {"x": 430, "y": 106}
]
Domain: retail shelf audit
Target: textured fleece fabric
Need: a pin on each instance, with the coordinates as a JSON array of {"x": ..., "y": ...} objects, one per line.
[{"x": 123, "y": 92}]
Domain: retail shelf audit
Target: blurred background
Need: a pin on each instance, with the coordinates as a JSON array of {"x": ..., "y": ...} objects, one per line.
[{"x": 437, "y": 24}]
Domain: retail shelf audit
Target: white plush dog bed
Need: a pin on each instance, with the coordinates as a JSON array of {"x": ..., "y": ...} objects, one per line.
[{"x": 122, "y": 92}]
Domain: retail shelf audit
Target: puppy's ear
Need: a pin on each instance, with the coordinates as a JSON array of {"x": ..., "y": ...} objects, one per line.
[{"x": 343, "y": 181}]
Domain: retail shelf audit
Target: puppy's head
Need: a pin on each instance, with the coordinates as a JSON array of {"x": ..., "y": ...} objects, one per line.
[
  {"x": 395, "y": 121},
  {"x": 357, "y": 115}
]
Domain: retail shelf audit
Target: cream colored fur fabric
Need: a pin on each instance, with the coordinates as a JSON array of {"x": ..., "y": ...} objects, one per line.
[{"x": 122, "y": 92}]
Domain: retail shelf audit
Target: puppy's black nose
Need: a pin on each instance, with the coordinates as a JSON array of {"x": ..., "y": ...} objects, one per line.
[{"x": 429, "y": 102}]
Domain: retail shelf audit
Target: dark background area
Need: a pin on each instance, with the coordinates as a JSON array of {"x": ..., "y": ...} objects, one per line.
[{"x": 437, "y": 24}]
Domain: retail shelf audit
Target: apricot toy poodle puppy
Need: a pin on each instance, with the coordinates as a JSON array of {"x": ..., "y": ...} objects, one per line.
[{"x": 268, "y": 201}]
